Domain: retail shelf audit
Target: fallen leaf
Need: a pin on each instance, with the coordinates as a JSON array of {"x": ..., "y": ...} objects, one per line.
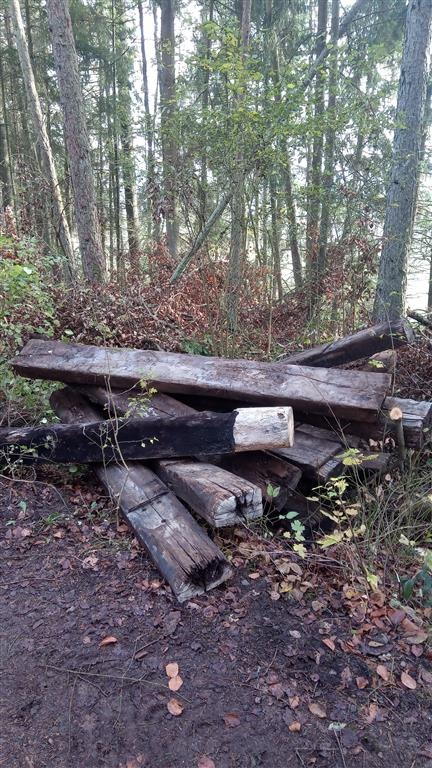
[
  {"x": 110, "y": 640},
  {"x": 417, "y": 651},
  {"x": 174, "y": 707},
  {"x": 294, "y": 702},
  {"x": 362, "y": 682},
  {"x": 383, "y": 672},
  {"x": 317, "y": 709},
  {"x": 254, "y": 575},
  {"x": 231, "y": 719},
  {"x": 426, "y": 676},
  {"x": 206, "y": 762},
  {"x": 172, "y": 669},
  {"x": 276, "y": 690},
  {"x": 175, "y": 683},
  {"x": 329, "y": 642},
  {"x": 378, "y": 598},
  {"x": 408, "y": 681},
  {"x": 295, "y": 727},
  {"x": 372, "y": 713},
  {"x": 171, "y": 621},
  {"x": 417, "y": 639},
  {"x": 346, "y": 676}
]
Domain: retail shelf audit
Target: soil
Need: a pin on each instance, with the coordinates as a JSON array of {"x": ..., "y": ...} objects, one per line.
[{"x": 267, "y": 682}]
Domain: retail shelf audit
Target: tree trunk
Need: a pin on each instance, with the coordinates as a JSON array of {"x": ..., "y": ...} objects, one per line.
[
  {"x": 152, "y": 192},
  {"x": 5, "y": 192},
  {"x": 402, "y": 192},
  {"x": 237, "y": 207},
  {"x": 42, "y": 139},
  {"x": 314, "y": 192},
  {"x": 77, "y": 139},
  {"x": 168, "y": 130},
  {"x": 329, "y": 152}
]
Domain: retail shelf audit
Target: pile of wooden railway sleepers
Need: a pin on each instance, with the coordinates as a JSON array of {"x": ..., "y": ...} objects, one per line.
[{"x": 216, "y": 435}]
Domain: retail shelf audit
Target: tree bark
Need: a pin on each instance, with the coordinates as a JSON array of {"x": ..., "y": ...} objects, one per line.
[
  {"x": 42, "y": 139},
  {"x": 168, "y": 106},
  {"x": 77, "y": 139},
  {"x": 314, "y": 191},
  {"x": 329, "y": 151},
  {"x": 5, "y": 191},
  {"x": 402, "y": 192},
  {"x": 151, "y": 185},
  {"x": 237, "y": 207}
]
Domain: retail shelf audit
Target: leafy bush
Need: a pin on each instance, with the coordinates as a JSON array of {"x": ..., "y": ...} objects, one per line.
[{"x": 25, "y": 309}]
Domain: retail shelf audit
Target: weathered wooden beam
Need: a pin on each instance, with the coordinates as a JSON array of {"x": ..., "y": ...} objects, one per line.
[
  {"x": 387, "y": 335},
  {"x": 117, "y": 440},
  {"x": 218, "y": 496},
  {"x": 261, "y": 469},
  {"x": 318, "y": 390},
  {"x": 416, "y": 422},
  {"x": 183, "y": 553},
  {"x": 264, "y": 470}
]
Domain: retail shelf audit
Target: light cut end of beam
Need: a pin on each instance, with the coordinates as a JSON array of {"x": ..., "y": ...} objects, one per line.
[{"x": 257, "y": 429}]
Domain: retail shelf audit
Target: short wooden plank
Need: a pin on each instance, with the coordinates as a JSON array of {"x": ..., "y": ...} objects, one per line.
[
  {"x": 265, "y": 470},
  {"x": 218, "y": 496},
  {"x": 318, "y": 390},
  {"x": 364, "y": 343},
  {"x": 117, "y": 440},
  {"x": 186, "y": 557}
]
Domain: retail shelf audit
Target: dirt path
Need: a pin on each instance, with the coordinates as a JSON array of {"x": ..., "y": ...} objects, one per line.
[{"x": 260, "y": 687}]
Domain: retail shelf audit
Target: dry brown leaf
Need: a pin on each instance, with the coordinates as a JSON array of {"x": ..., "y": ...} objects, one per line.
[
  {"x": 172, "y": 669},
  {"x": 346, "y": 676},
  {"x": 417, "y": 639},
  {"x": 317, "y": 709},
  {"x": 231, "y": 719},
  {"x": 329, "y": 642},
  {"x": 295, "y": 727},
  {"x": 408, "y": 681},
  {"x": 175, "y": 683},
  {"x": 206, "y": 762},
  {"x": 294, "y": 702},
  {"x": 110, "y": 640},
  {"x": 383, "y": 672},
  {"x": 372, "y": 713},
  {"x": 174, "y": 707},
  {"x": 426, "y": 676},
  {"x": 277, "y": 691},
  {"x": 254, "y": 575}
]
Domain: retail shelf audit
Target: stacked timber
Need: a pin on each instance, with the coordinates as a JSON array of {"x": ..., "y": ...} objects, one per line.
[{"x": 219, "y": 436}]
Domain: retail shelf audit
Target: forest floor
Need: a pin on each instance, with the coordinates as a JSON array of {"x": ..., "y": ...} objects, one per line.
[{"x": 322, "y": 676}]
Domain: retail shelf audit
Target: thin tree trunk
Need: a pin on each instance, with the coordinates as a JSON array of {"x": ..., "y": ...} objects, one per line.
[
  {"x": 152, "y": 192},
  {"x": 237, "y": 207},
  {"x": 314, "y": 192},
  {"x": 402, "y": 192},
  {"x": 330, "y": 140},
  {"x": 77, "y": 139},
  {"x": 275, "y": 239},
  {"x": 206, "y": 46},
  {"x": 115, "y": 145},
  {"x": 5, "y": 191},
  {"x": 43, "y": 144},
  {"x": 168, "y": 108}
]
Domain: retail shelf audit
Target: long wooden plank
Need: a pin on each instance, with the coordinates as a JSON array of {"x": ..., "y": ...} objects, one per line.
[
  {"x": 364, "y": 343},
  {"x": 117, "y": 440},
  {"x": 261, "y": 469},
  {"x": 318, "y": 390},
  {"x": 183, "y": 553}
]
